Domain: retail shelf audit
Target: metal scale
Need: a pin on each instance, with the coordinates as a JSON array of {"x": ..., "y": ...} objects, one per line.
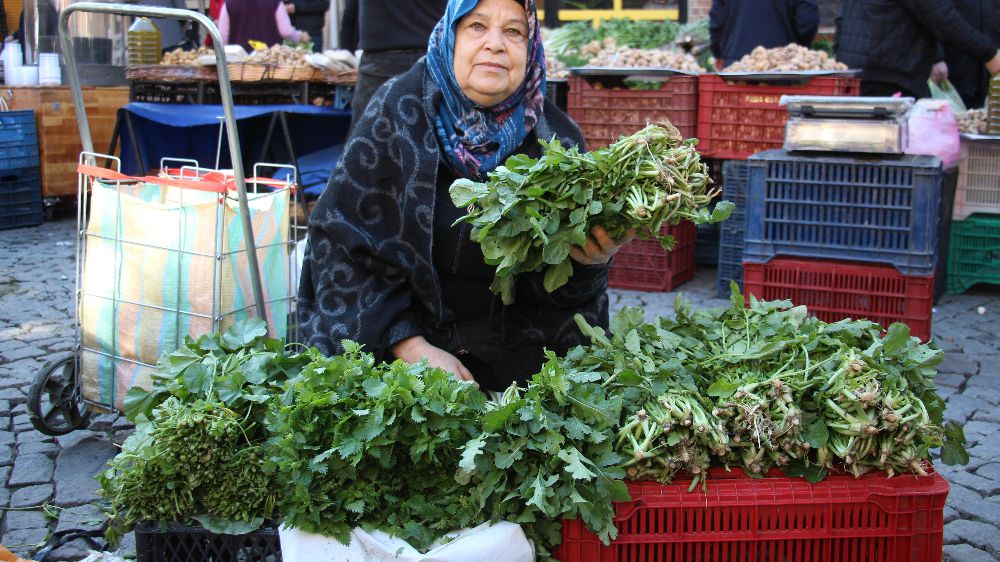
[{"x": 847, "y": 124}]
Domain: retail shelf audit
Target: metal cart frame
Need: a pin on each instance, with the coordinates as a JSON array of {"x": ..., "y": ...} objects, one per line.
[{"x": 59, "y": 382}]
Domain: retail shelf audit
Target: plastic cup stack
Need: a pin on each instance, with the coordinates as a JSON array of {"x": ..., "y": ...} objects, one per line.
[
  {"x": 12, "y": 59},
  {"x": 49, "y": 73}
]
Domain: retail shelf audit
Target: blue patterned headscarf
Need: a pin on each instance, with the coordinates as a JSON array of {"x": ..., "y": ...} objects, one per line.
[{"x": 475, "y": 139}]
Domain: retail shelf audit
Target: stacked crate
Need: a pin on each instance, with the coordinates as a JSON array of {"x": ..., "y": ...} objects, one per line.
[
  {"x": 605, "y": 109},
  {"x": 20, "y": 180},
  {"x": 847, "y": 236},
  {"x": 974, "y": 246},
  {"x": 737, "y": 119}
]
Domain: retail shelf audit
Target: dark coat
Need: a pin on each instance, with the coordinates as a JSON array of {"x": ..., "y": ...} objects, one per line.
[
  {"x": 739, "y": 26},
  {"x": 968, "y": 74},
  {"x": 310, "y": 15},
  {"x": 896, "y": 41},
  {"x": 369, "y": 272}
]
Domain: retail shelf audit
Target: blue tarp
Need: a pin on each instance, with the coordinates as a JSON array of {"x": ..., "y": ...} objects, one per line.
[
  {"x": 315, "y": 169},
  {"x": 192, "y": 131}
]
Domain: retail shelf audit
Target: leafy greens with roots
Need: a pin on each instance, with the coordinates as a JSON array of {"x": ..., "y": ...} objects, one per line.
[{"x": 530, "y": 212}]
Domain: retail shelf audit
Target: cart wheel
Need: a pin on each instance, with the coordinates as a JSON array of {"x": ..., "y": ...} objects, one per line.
[{"x": 55, "y": 406}]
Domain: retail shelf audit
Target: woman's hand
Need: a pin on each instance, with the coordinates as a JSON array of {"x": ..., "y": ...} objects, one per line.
[
  {"x": 599, "y": 247},
  {"x": 416, "y": 349}
]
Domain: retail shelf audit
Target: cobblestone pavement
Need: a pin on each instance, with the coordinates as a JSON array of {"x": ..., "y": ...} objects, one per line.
[{"x": 48, "y": 485}]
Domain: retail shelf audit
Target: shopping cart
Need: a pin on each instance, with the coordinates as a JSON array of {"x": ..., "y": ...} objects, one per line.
[{"x": 161, "y": 258}]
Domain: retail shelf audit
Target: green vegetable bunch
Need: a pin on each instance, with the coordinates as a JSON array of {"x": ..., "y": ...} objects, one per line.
[
  {"x": 547, "y": 452},
  {"x": 191, "y": 460},
  {"x": 197, "y": 449},
  {"x": 639, "y": 34},
  {"x": 531, "y": 211},
  {"x": 357, "y": 444},
  {"x": 766, "y": 386}
]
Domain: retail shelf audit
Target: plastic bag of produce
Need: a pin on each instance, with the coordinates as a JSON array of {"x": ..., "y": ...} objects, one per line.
[
  {"x": 503, "y": 542},
  {"x": 947, "y": 92},
  {"x": 934, "y": 131}
]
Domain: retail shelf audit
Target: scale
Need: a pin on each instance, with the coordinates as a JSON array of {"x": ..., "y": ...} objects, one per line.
[{"x": 847, "y": 124}]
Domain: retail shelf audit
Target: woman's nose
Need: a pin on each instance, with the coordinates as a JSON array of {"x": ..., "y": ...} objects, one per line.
[{"x": 494, "y": 39}]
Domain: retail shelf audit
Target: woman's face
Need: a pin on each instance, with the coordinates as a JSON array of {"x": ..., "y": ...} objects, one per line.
[{"x": 491, "y": 51}]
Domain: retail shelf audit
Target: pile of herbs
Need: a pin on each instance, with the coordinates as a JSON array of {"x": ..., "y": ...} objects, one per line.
[
  {"x": 764, "y": 386},
  {"x": 546, "y": 452},
  {"x": 565, "y": 41},
  {"x": 376, "y": 446},
  {"x": 197, "y": 450},
  {"x": 531, "y": 211}
]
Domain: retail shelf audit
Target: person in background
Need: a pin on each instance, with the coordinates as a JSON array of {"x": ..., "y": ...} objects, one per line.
[
  {"x": 174, "y": 34},
  {"x": 737, "y": 27},
  {"x": 241, "y": 21},
  {"x": 967, "y": 73},
  {"x": 895, "y": 43},
  {"x": 386, "y": 267},
  {"x": 393, "y": 35},
  {"x": 309, "y": 16}
]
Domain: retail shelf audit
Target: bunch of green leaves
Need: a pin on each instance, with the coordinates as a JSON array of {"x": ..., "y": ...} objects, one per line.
[
  {"x": 240, "y": 368},
  {"x": 357, "y": 444},
  {"x": 190, "y": 460},
  {"x": 196, "y": 452},
  {"x": 568, "y": 38},
  {"x": 531, "y": 211},
  {"x": 639, "y": 34},
  {"x": 785, "y": 390},
  {"x": 545, "y": 453}
]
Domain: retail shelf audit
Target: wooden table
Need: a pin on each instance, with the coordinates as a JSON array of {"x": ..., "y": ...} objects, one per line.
[{"x": 59, "y": 143}]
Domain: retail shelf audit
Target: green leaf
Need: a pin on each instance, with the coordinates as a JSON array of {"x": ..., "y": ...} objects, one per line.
[
  {"x": 471, "y": 450},
  {"x": 139, "y": 401},
  {"x": 244, "y": 333},
  {"x": 495, "y": 419},
  {"x": 465, "y": 192},
  {"x": 722, "y": 389},
  {"x": 574, "y": 464},
  {"x": 815, "y": 432},
  {"x": 896, "y": 338},
  {"x": 557, "y": 275},
  {"x": 953, "y": 454}
]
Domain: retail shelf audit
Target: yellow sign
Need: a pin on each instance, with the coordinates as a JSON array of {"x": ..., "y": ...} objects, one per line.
[{"x": 616, "y": 11}]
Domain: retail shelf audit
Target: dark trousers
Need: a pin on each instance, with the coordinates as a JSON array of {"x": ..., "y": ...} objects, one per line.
[
  {"x": 374, "y": 69},
  {"x": 885, "y": 89}
]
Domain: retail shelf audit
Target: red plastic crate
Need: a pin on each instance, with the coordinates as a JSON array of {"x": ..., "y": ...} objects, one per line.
[
  {"x": 737, "y": 119},
  {"x": 643, "y": 265},
  {"x": 773, "y": 519},
  {"x": 605, "y": 109},
  {"x": 833, "y": 290}
]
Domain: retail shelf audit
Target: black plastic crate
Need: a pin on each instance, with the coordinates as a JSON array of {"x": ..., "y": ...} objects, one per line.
[
  {"x": 18, "y": 140},
  {"x": 180, "y": 543},
  {"x": 20, "y": 198},
  {"x": 244, "y": 93}
]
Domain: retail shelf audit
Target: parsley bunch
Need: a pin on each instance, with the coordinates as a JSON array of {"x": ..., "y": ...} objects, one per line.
[
  {"x": 531, "y": 211},
  {"x": 357, "y": 444}
]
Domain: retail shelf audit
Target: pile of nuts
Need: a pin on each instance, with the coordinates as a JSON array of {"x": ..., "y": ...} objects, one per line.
[
  {"x": 185, "y": 58},
  {"x": 555, "y": 68},
  {"x": 973, "y": 121},
  {"x": 607, "y": 53},
  {"x": 789, "y": 57},
  {"x": 279, "y": 54}
]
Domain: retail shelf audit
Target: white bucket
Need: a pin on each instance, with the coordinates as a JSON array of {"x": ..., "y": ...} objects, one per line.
[{"x": 49, "y": 73}]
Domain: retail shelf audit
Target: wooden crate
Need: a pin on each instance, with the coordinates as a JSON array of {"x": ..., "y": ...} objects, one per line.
[{"x": 58, "y": 136}]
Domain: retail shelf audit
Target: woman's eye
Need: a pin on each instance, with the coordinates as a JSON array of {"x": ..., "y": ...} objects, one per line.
[
  {"x": 514, "y": 31},
  {"x": 477, "y": 26}
]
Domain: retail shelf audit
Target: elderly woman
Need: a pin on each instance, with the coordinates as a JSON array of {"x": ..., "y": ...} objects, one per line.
[{"x": 385, "y": 265}]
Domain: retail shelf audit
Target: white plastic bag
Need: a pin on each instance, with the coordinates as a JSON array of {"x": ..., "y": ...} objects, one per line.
[
  {"x": 503, "y": 542},
  {"x": 934, "y": 131}
]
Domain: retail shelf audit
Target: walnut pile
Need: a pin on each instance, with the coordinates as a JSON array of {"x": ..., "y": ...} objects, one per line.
[
  {"x": 185, "y": 58},
  {"x": 279, "y": 54},
  {"x": 789, "y": 57},
  {"x": 607, "y": 53},
  {"x": 973, "y": 121}
]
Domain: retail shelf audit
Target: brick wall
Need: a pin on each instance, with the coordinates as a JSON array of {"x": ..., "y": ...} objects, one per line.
[{"x": 698, "y": 9}]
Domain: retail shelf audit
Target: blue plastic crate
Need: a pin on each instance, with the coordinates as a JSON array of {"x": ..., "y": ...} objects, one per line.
[
  {"x": 881, "y": 210},
  {"x": 18, "y": 140},
  {"x": 20, "y": 198},
  {"x": 732, "y": 231}
]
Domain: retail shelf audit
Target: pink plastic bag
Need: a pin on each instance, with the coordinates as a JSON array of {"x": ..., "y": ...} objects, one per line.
[{"x": 933, "y": 130}]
